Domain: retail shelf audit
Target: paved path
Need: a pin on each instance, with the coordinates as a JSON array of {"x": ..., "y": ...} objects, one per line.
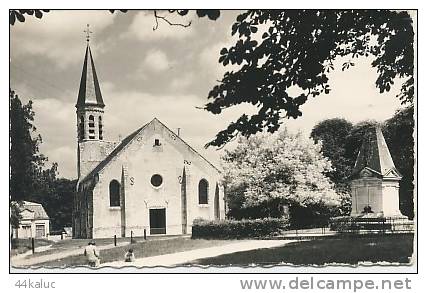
[
  {"x": 173, "y": 259},
  {"x": 21, "y": 260}
]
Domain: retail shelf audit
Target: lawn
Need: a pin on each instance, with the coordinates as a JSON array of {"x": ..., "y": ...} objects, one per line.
[
  {"x": 146, "y": 248},
  {"x": 22, "y": 245},
  {"x": 348, "y": 250}
]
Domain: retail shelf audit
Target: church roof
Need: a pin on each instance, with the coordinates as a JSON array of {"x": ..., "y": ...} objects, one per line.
[
  {"x": 127, "y": 140},
  {"x": 89, "y": 91},
  {"x": 375, "y": 155}
]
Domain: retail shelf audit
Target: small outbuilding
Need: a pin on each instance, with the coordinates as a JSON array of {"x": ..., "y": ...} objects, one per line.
[{"x": 34, "y": 222}]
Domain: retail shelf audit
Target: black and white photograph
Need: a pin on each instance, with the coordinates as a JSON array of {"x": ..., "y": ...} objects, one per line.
[{"x": 205, "y": 140}]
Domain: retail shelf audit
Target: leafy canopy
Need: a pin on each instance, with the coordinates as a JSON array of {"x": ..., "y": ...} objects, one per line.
[
  {"x": 20, "y": 14},
  {"x": 29, "y": 179},
  {"x": 285, "y": 55},
  {"x": 283, "y": 166},
  {"x": 399, "y": 134},
  {"x": 26, "y": 162},
  {"x": 333, "y": 134}
]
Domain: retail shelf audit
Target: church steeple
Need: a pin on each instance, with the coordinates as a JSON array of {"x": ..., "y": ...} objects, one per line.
[
  {"x": 89, "y": 91},
  {"x": 90, "y": 105},
  {"x": 90, "y": 111}
]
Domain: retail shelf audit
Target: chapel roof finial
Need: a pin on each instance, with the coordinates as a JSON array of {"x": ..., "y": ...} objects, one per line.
[{"x": 88, "y": 32}]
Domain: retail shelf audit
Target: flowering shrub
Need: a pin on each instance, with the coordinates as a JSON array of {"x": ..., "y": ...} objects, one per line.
[
  {"x": 284, "y": 167},
  {"x": 238, "y": 229}
]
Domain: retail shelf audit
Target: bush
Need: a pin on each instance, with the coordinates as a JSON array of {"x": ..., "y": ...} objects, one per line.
[
  {"x": 238, "y": 229},
  {"x": 311, "y": 216},
  {"x": 272, "y": 208},
  {"x": 314, "y": 215}
]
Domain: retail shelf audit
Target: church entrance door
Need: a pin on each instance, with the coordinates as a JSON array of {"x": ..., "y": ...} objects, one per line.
[{"x": 157, "y": 221}]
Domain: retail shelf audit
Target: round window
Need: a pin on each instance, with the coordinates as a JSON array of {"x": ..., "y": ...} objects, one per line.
[{"x": 156, "y": 180}]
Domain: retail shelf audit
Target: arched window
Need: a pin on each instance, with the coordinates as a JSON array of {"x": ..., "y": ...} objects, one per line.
[
  {"x": 91, "y": 127},
  {"x": 100, "y": 127},
  {"x": 203, "y": 191},
  {"x": 114, "y": 193},
  {"x": 82, "y": 127}
]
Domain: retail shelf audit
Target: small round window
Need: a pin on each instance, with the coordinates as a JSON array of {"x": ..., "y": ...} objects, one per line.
[{"x": 156, "y": 180}]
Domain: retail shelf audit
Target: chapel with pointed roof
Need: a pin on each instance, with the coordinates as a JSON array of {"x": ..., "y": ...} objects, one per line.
[
  {"x": 375, "y": 179},
  {"x": 151, "y": 182}
]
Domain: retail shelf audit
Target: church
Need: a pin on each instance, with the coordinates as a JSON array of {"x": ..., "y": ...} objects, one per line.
[{"x": 150, "y": 182}]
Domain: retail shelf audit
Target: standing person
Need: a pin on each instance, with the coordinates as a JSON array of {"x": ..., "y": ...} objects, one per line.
[
  {"x": 92, "y": 254},
  {"x": 130, "y": 256}
]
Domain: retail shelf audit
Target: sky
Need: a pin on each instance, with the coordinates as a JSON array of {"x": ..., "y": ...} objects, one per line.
[{"x": 144, "y": 73}]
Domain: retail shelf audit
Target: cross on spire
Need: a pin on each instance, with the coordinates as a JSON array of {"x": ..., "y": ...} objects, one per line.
[{"x": 88, "y": 32}]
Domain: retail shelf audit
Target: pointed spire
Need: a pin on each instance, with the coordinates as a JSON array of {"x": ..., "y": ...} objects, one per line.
[
  {"x": 374, "y": 154},
  {"x": 89, "y": 91}
]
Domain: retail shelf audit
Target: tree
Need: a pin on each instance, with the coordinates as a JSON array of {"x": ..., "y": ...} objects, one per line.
[
  {"x": 354, "y": 139},
  {"x": 56, "y": 196},
  {"x": 398, "y": 132},
  {"x": 15, "y": 215},
  {"x": 212, "y": 14},
  {"x": 25, "y": 161},
  {"x": 333, "y": 133},
  {"x": 19, "y": 14},
  {"x": 29, "y": 179},
  {"x": 264, "y": 172},
  {"x": 281, "y": 52},
  {"x": 62, "y": 210}
]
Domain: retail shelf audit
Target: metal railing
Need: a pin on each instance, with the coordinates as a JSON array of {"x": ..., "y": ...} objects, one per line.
[{"x": 374, "y": 224}]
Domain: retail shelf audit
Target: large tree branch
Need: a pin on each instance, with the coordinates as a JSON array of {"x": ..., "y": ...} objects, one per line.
[{"x": 157, "y": 17}]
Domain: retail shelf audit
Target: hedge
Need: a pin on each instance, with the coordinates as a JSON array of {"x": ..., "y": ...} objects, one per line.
[{"x": 238, "y": 229}]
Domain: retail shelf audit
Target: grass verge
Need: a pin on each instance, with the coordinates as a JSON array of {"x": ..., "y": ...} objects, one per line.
[
  {"x": 22, "y": 245},
  {"x": 347, "y": 250}
]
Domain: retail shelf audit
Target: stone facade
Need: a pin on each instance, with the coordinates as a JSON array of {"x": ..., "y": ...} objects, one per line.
[{"x": 150, "y": 182}]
